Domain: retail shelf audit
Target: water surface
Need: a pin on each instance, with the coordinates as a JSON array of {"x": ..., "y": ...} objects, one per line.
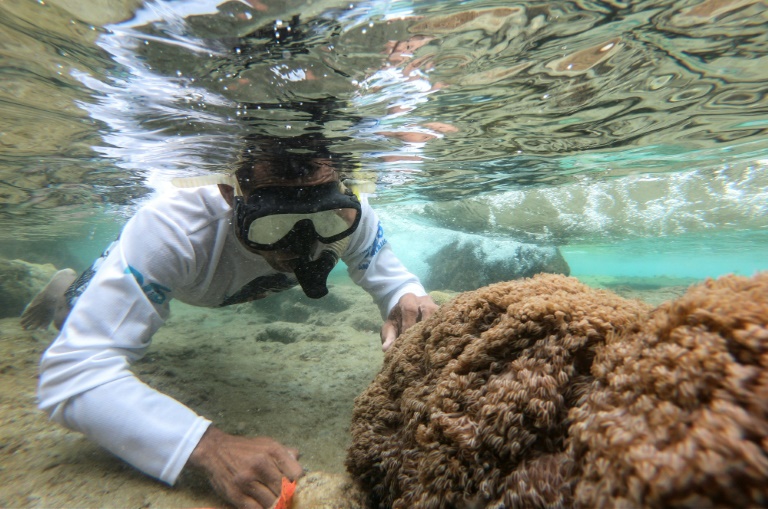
[{"x": 632, "y": 135}]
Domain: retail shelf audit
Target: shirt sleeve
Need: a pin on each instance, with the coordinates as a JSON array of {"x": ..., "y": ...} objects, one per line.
[
  {"x": 372, "y": 264},
  {"x": 85, "y": 380}
]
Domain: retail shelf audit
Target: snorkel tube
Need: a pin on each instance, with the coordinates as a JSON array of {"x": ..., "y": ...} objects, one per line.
[{"x": 312, "y": 275}]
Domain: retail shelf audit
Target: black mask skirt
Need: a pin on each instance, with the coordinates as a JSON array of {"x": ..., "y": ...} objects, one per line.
[{"x": 296, "y": 218}]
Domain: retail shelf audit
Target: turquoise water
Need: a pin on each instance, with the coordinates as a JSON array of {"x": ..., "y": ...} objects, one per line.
[{"x": 693, "y": 256}]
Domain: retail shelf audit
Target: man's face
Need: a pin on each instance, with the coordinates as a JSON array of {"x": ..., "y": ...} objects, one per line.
[
  {"x": 284, "y": 260},
  {"x": 280, "y": 260}
]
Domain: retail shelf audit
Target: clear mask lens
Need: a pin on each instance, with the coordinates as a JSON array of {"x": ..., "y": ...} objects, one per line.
[{"x": 270, "y": 229}]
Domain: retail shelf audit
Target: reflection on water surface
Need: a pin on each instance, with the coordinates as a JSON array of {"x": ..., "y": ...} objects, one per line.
[{"x": 554, "y": 122}]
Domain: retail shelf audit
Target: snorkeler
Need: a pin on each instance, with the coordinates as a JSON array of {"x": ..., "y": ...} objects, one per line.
[{"x": 283, "y": 219}]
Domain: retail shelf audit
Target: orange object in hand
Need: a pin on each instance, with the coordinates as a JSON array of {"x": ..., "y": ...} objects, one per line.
[{"x": 286, "y": 493}]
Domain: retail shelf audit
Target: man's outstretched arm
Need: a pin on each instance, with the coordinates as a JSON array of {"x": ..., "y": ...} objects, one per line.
[
  {"x": 372, "y": 264},
  {"x": 86, "y": 383}
]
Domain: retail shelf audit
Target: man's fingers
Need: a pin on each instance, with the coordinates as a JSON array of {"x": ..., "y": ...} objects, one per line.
[
  {"x": 294, "y": 452},
  {"x": 427, "y": 309},
  {"x": 388, "y": 343},
  {"x": 262, "y": 495},
  {"x": 263, "y": 482},
  {"x": 409, "y": 310},
  {"x": 410, "y": 314},
  {"x": 388, "y": 334},
  {"x": 289, "y": 465}
]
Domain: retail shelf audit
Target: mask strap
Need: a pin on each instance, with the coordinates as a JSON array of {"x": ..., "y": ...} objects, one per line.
[
  {"x": 208, "y": 180},
  {"x": 360, "y": 188}
]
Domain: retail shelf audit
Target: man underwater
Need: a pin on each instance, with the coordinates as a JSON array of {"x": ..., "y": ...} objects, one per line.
[{"x": 284, "y": 218}]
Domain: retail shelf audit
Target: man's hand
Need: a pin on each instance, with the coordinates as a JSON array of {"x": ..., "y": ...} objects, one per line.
[
  {"x": 408, "y": 310},
  {"x": 247, "y": 472}
]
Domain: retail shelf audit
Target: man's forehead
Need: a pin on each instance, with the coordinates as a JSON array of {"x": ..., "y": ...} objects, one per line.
[{"x": 265, "y": 174}]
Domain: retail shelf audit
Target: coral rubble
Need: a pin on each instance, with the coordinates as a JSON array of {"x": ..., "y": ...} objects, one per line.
[{"x": 324, "y": 490}]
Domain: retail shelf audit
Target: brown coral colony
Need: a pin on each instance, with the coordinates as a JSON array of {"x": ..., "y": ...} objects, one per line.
[{"x": 544, "y": 392}]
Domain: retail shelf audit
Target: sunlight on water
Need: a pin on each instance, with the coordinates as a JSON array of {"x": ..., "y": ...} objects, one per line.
[{"x": 557, "y": 123}]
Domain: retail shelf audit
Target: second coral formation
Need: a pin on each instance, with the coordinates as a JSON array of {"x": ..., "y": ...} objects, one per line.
[{"x": 678, "y": 416}]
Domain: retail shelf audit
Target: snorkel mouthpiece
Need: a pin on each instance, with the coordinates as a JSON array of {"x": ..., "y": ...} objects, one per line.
[{"x": 312, "y": 275}]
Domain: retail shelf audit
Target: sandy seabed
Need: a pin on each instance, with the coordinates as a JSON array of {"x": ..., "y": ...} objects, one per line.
[{"x": 284, "y": 367}]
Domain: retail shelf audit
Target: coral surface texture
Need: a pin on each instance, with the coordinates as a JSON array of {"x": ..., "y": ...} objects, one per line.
[
  {"x": 544, "y": 392},
  {"x": 679, "y": 412}
]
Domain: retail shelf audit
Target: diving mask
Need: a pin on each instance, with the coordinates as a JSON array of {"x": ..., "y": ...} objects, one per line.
[
  {"x": 296, "y": 219},
  {"x": 293, "y": 218}
]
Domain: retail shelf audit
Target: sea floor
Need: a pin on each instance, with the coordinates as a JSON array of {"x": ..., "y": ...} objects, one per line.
[{"x": 284, "y": 367}]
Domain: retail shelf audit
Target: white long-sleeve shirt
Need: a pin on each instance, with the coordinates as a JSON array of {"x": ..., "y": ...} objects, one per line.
[{"x": 181, "y": 245}]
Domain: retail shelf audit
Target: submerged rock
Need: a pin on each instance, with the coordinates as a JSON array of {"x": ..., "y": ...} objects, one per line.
[
  {"x": 19, "y": 282},
  {"x": 464, "y": 265}
]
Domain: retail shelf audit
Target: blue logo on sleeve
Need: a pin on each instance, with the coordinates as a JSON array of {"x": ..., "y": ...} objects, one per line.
[
  {"x": 155, "y": 292},
  {"x": 378, "y": 242}
]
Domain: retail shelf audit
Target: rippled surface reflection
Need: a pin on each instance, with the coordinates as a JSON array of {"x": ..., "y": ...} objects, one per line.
[{"x": 553, "y": 122}]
